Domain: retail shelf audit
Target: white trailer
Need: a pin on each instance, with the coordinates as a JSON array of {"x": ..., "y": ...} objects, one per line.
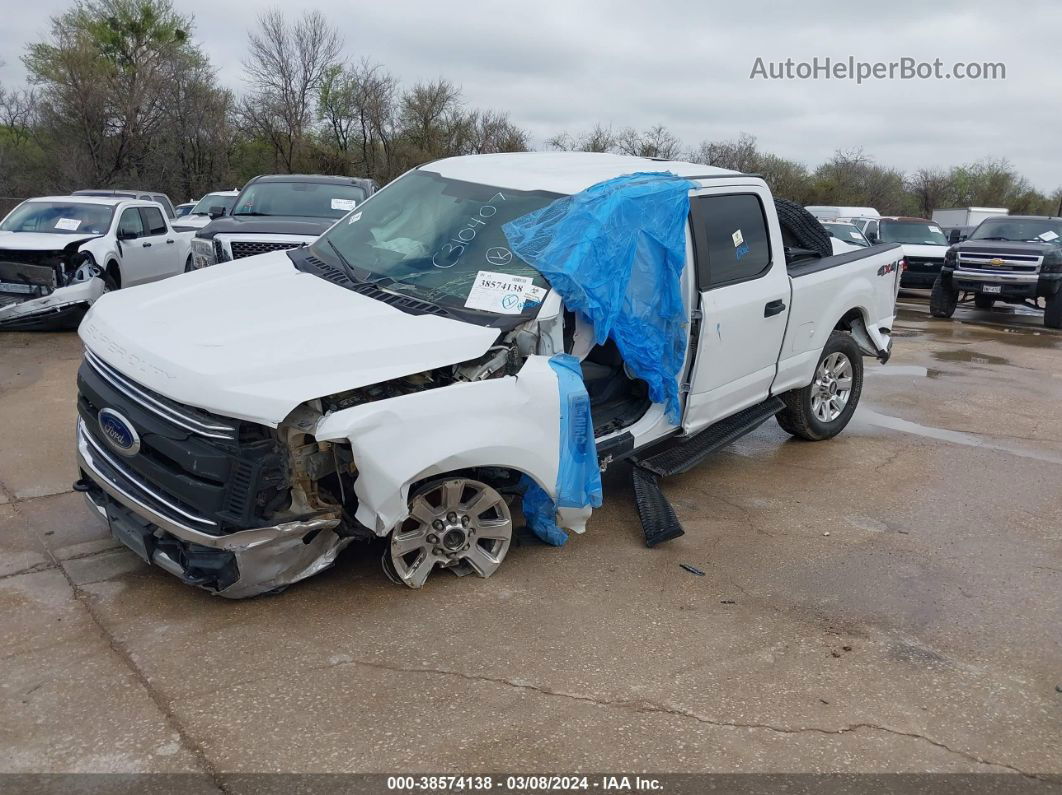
[{"x": 966, "y": 216}]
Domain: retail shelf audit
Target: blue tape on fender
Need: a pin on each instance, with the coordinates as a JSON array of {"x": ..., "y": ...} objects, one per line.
[
  {"x": 578, "y": 475},
  {"x": 615, "y": 253}
]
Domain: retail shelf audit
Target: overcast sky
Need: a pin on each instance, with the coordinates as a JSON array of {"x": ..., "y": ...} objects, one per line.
[{"x": 565, "y": 64}]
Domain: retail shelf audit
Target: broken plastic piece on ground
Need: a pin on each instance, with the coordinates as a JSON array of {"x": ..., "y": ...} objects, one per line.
[
  {"x": 692, "y": 569},
  {"x": 615, "y": 253}
]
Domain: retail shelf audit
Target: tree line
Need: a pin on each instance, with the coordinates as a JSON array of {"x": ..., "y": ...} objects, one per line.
[{"x": 120, "y": 94}]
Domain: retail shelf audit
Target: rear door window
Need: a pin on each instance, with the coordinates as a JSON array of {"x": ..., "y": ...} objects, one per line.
[
  {"x": 730, "y": 238},
  {"x": 153, "y": 220}
]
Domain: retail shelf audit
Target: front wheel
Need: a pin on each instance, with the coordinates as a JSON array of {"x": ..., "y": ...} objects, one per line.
[
  {"x": 188, "y": 267},
  {"x": 454, "y": 523},
  {"x": 823, "y": 408},
  {"x": 943, "y": 299}
]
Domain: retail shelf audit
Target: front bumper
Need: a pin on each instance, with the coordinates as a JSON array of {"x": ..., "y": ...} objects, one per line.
[
  {"x": 1012, "y": 285},
  {"x": 62, "y": 310},
  {"x": 237, "y": 565}
]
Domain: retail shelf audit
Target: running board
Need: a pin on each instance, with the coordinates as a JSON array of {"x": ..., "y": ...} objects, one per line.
[
  {"x": 659, "y": 522},
  {"x": 687, "y": 454}
]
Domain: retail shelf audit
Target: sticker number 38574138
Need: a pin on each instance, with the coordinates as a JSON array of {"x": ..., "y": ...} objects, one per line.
[{"x": 450, "y": 251}]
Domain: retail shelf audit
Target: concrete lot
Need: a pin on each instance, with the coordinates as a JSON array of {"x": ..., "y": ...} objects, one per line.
[{"x": 887, "y": 601}]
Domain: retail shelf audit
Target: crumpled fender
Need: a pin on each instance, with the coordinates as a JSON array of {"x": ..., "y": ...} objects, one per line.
[
  {"x": 511, "y": 422},
  {"x": 102, "y": 250}
]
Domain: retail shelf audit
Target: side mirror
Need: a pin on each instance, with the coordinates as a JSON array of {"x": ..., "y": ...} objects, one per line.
[
  {"x": 872, "y": 237},
  {"x": 216, "y": 211},
  {"x": 126, "y": 234},
  {"x": 954, "y": 236}
]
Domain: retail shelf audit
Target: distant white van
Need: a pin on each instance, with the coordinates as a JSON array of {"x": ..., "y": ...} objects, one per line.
[{"x": 824, "y": 213}]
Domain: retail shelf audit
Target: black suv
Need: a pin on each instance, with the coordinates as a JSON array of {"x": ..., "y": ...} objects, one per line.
[
  {"x": 1011, "y": 258},
  {"x": 278, "y": 211}
]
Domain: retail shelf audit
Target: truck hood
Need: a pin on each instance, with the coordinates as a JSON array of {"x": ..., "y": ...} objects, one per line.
[
  {"x": 265, "y": 225},
  {"x": 39, "y": 241},
  {"x": 924, "y": 252},
  {"x": 254, "y": 338}
]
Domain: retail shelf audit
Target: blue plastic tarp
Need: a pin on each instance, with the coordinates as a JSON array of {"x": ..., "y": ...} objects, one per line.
[
  {"x": 615, "y": 253},
  {"x": 578, "y": 475}
]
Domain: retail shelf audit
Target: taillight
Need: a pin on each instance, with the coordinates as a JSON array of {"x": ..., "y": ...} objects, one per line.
[{"x": 903, "y": 264}]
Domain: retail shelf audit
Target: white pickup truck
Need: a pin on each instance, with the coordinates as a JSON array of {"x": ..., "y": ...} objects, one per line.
[
  {"x": 59, "y": 254},
  {"x": 242, "y": 424}
]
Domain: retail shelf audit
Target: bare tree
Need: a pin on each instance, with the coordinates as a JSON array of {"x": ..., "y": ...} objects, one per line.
[
  {"x": 656, "y": 141},
  {"x": 286, "y": 66}
]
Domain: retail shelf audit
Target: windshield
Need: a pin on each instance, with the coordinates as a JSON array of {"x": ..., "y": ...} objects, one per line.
[
  {"x": 847, "y": 233},
  {"x": 307, "y": 199},
  {"x": 913, "y": 232},
  {"x": 1033, "y": 230},
  {"x": 63, "y": 217},
  {"x": 213, "y": 200},
  {"x": 441, "y": 240}
]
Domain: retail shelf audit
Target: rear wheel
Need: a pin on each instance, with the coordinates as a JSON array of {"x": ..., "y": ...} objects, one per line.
[
  {"x": 943, "y": 299},
  {"x": 1053, "y": 311},
  {"x": 823, "y": 408},
  {"x": 982, "y": 301},
  {"x": 454, "y": 523}
]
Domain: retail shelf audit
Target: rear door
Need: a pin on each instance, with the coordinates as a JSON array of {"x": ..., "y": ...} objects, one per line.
[
  {"x": 744, "y": 295},
  {"x": 159, "y": 245}
]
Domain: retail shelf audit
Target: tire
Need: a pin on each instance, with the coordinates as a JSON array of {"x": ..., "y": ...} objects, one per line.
[
  {"x": 803, "y": 415},
  {"x": 803, "y": 228},
  {"x": 188, "y": 265},
  {"x": 943, "y": 300},
  {"x": 982, "y": 301},
  {"x": 1053, "y": 311}
]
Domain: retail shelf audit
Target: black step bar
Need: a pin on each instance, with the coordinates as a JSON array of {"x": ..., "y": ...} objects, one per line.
[{"x": 658, "y": 518}]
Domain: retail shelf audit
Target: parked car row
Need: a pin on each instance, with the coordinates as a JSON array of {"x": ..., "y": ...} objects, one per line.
[
  {"x": 59, "y": 254},
  {"x": 985, "y": 255}
]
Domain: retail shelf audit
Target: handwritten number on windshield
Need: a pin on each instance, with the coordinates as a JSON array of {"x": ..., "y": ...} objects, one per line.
[{"x": 450, "y": 252}]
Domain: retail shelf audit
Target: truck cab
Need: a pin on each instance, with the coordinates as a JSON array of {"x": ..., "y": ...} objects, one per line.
[{"x": 426, "y": 364}]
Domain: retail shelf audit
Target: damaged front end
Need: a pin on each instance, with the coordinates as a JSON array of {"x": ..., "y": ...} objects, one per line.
[
  {"x": 234, "y": 507},
  {"x": 47, "y": 290}
]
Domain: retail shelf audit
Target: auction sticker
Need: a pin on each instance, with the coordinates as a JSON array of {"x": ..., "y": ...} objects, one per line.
[{"x": 498, "y": 292}]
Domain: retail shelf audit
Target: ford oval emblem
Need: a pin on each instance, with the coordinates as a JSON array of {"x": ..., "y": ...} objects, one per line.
[{"x": 118, "y": 432}]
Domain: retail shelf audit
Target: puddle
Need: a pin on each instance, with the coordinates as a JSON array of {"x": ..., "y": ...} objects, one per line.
[
  {"x": 866, "y": 416},
  {"x": 904, "y": 370},
  {"x": 969, "y": 357}
]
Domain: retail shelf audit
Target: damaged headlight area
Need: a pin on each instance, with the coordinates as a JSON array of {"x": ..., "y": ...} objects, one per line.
[{"x": 32, "y": 283}]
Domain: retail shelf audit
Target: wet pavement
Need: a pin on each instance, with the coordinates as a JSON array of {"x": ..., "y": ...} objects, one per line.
[{"x": 886, "y": 601}]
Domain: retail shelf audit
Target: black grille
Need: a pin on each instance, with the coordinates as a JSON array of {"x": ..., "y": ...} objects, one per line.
[
  {"x": 246, "y": 248},
  {"x": 235, "y": 483}
]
